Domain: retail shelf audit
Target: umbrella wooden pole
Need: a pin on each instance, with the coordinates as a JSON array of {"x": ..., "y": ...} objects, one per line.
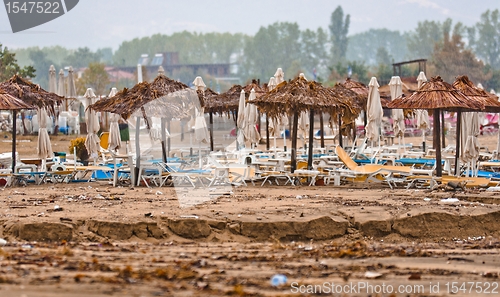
[
  {"x": 321, "y": 129},
  {"x": 137, "y": 151},
  {"x": 168, "y": 140},
  {"x": 443, "y": 139},
  {"x": 258, "y": 122},
  {"x": 340, "y": 131},
  {"x": 211, "y": 118},
  {"x": 294, "y": 141},
  {"x": 267, "y": 132},
  {"x": 457, "y": 143},
  {"x": 437, "y": 134},
  {"x": 311, "y": 139},
  {"x": 163, "y": 140},
  {"x": 14, "y": 128}
]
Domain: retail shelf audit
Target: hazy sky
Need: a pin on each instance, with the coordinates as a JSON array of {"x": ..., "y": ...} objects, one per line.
[{"x": 106, "y": 23}]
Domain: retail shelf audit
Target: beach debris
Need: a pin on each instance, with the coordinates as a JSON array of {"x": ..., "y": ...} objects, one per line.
[
  {"x": 3, "y": 242},
  {"x": 148, "y": 215},
  {"x": 57, "y": 208},
  {"x": 190, "y": 217},
  {"x": 373, "y": 275},
  {"x": 299, "y": 197},
  {"x": 493, "y": 189},
  {"x": 490, "y": 274},
  {"x": 159, "y": 193},
  {"x": 278, "y": 280},
  {"x": 455, "y": 186},
  {"x": 450, "y": 200},
  {"x": 427, "y": 199}
]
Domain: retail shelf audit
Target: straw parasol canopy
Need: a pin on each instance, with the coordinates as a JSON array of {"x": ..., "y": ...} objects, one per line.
[
  {"x": 466, "y": 87},
  {"x": 214, "y": 103},
  {"x": 296, "y": 96},
  {"x": 438, "y": 95},
  {"x": 128, "y": 101},
  {"x": 31, "y": 94},
  {"x": 359, "y": 88},
  {"x": 9, "y": 102}
]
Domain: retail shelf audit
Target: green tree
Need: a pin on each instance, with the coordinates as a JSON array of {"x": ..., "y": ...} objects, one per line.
[
  {"x": 95, "y": 77},
  {"x": 41, "y": 63},
  {"x": 314, "y": 53},
  {"x": 340, "y": 71},
  {"x": 339, "y": 27},
  {"x": 487, "y": 44},
  {"x": 384, "y": 70},
  {"x": 421, "y": 42},
  {"x": 277, "y": 45},
  {"x": 81, "y": 58},
  {"x": 363, "y": 46},
  {"x": 450, "y": 57},
  {"x": 9, "y": 66}
]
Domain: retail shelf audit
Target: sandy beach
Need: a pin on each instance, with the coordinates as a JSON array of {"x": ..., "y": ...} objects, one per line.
[{"x": 91, "y": 239}]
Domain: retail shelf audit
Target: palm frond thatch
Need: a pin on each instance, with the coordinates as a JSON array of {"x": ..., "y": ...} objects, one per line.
[
  {"x": 128, "y": 101},
  {"x": 437, "y": 94},
  {"x": 349, "y": 101},
  {"x": 296, "y": 96},
  {"x": 9, "y": 102},
  {"x": 360, "y": 89},
  {"x": 31, "y": 94},
  {"x": 466, "y": 87},
  {"x": 214, "y": 103}
]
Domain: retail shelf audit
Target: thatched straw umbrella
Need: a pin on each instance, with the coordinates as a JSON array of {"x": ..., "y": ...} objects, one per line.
[
  {"x": 437, "y": 95},
  {"x": 294, "y": 97},
  {"x": 211, "y": 106},
  {"x": 490, "y": 102},
  {"x": 31, "y": 94},
  {"x": 164, "y": 98},
  {"x": 350, "y": 102},
  {"x": 9, "y": 102}
]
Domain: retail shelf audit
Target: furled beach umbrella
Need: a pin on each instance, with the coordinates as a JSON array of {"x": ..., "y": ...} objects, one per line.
[
  {"x": 437, "y": 95},
  {"x": 251, "y": 121},
  {"x": 421, "y": 115},
  {"x": 61, "y": 86},
  {"x": 52, "y": 79},
  {"x": 398, "y": 117},
  {"x": 44, "y": 148},
  {"x": 200, "y": 125},
  {"x": 9, "y": 102},
  {"x": 92, "y": 121},
  {"x": 114, "y": 128},
  {"x": 71, "y": 91},
  {"x": 240, "y": 122},
  {"x": 274, "y": 124},
  {"x": 279, "y": 76},
  {"x": 374, "y": 112},
  {"x": 469, "y": 151}
]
